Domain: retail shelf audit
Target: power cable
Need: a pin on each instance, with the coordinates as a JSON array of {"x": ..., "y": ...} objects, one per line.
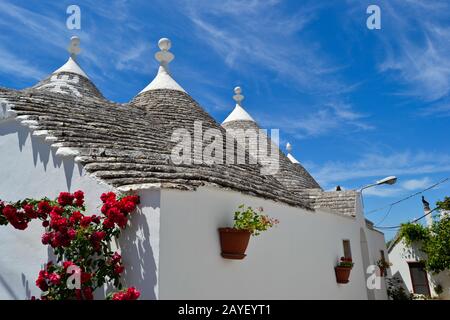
[{"x": 410, "y": 196}]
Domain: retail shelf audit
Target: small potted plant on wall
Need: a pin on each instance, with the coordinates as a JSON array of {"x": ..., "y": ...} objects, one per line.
[
  {"x": 383, "y": 265},
  {"x": 247, "y": 222},
  {"x": 343, "y": 269}
]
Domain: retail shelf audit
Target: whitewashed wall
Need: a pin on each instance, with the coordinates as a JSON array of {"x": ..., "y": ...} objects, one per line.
[
  {"x": 401, "y": 254},
  {"x": 30, "y": 168},
  {"x": 294, "y": 260},
  {"x": 377, "y": 243}
]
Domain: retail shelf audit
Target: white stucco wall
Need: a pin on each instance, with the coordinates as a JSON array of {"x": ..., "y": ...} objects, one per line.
[
  {"x": 401, "y": 254},
  {"x": 294, "y": 260},
  {"x": 377, "y": 243},
  {"x": 30, "y": 168}
]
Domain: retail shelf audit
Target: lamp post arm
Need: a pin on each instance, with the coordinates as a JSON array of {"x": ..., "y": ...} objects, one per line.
[{"x": 368, "y": 186}]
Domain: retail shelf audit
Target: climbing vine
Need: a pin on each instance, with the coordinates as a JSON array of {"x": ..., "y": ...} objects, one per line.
[
  {"x": 80, "y": 243},
  {"x": 433, "y": 241},
  {"x": 413, "y": 232}
]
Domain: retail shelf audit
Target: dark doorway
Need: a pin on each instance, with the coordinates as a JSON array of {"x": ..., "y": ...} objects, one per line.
[{"x": 419, "y": 278}]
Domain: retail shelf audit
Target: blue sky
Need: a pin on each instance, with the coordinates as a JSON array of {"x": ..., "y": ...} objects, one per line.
[{"x": 356, "y": 104}]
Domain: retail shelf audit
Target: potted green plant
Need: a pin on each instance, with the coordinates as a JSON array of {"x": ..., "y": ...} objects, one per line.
[
  {"x": 383, "y": 265},
  {"x": 343, "y": 269},
  {"x": 247, "y": 222}
]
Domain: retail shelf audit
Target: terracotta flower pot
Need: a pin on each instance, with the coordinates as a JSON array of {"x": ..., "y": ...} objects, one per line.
[
  {"x": 234, "y": 242},
  {"x": 342, "y": 274}
]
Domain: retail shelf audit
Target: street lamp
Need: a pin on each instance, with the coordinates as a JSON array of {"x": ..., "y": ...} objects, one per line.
[{"x": 388, "y": 180}]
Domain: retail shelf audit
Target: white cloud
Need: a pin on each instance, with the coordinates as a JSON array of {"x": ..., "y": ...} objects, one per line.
[
  {"x": 417, "y": 52},
  {"x": 132, "y": 58},
  {"x": 416, "y": 184},
  {"x": 13, "y": 65},
  {"x": 383, "y": 191},
  {"x": 438, "y": 110},
  {"x": 331, "y": 117},
  {"x": 372, "y": 166},
  {"x": 259, "y": 33},
  {"x": 102, "y": 55}
]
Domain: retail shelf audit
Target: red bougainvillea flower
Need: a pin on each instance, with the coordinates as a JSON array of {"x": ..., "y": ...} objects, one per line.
[
  {"x": 71, "y": 233},
  {"x": 129, "y": 294},
  {"x": 85, "y": 277},
  {"x": 85, "y": 221},
  {"x": 129, "y": 203},
  {"x": 57, "y": 210},
  {"x": 67, "y": 264},
  {"x": 54, "y": 278},
  {"x": 44, "y": 208},
  {"x": 96, "y": 238},
  {"x": 79, "y": 198},
  {"x": 78, "y": 194},
  {"x": 116, "y": 258},
  {"x": 79, "y": 202},
  {"x": 9, "y": 212},
  {"x": 108, "y": 197},
  {"x": 47, "y": 238},
  {"x": 118, "y": 269},
  {"x": 95, "y": 219},
  {"x": 41, "y": 281},
  {"x": 83, "y": 241},
  {"x": 115, "y": 215},
  {"x": 108, "y": 224},
  {"x": 87, "y": 292},
  {"x": 65, "y": 199},
  {"x": 58, "y": 222},
  {"x": 15, "y": 217},
  {"x": 76, "y": 217},
  {"x": 29, "y": 211}
]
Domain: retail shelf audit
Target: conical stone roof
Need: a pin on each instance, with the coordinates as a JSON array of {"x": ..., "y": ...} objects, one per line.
[
  {"x": 70, "y": 79},
  {"x": 129, "y": 145},
  {"x": 291, "y": 175}
]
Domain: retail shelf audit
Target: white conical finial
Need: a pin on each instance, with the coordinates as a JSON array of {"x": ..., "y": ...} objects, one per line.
[
  {"x": 164, "y": 57},
  {"x": 289, "y": 155},
  {"x": 74, "y": 47},
  {"x": 288, "y": 147},
  {"x": 238, "y": 97},
  {"x": 71, "y": 65},
  {"x": 238, "y": 113},
  {"x": 163, "y": 79}
]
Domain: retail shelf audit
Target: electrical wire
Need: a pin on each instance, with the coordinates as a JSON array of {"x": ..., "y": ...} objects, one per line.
[
  {"x": 410, "y": 196},
  {"x": 385, "y": 216},
  {"x": 414, "y": 221}
]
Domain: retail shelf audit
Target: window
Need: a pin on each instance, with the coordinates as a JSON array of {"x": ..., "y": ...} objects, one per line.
[
  {"x": 419, "y": 278},
  {"x": 347, "y": 249}
]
